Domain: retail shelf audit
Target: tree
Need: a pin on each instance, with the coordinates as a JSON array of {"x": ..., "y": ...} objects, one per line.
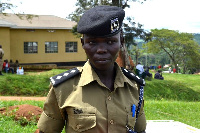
[
  {"x": 180, "y": 47},
  {"x": 4, "y": 6},
  {"x": 133, "y": 32},
  {"x": 130, "y": 30},
  {"x": 197, "y": 38}
]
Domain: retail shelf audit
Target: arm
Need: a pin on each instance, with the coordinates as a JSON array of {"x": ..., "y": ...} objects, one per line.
[{"x": 51, "y": 119}]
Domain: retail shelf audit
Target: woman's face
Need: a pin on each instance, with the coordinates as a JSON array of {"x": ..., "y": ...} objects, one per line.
[{"x": 101, "y": 51}]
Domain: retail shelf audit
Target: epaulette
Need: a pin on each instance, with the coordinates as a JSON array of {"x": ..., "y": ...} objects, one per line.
[
  {"x": 60, "y": 78},
  {"x": 132, "y": 76}
]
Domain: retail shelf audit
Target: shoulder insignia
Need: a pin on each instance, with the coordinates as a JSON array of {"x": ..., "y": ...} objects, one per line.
[
  {"x": 60, "y": 78},
  {"x": 132, "y": 76}
]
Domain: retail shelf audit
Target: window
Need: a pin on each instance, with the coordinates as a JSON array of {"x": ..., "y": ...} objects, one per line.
[
  {"x": 30, "y": 47},
  {"x": 51, "y": 47},
  {"x": 70, "y": 47}
]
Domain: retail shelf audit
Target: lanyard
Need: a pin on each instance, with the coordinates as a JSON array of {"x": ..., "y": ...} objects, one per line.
[{"x": 129, "y": 130}]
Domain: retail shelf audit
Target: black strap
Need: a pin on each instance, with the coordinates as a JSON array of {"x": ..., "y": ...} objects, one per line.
[
  {"x": 140, "y": 101},
  {"x": 132, "y": 76},
  {"x": 60, "y": 78}
]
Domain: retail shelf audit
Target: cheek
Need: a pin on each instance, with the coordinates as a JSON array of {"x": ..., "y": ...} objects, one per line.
[
  {"x": 115, "y": 57},
  {"x": 88, "y": 50},
  {"x": 115, "y": 50}
]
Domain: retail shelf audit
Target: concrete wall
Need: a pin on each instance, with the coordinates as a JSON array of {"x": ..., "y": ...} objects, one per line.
[
  {"x": 5, "y": 41},
  {"x": 19, "y": 36}
]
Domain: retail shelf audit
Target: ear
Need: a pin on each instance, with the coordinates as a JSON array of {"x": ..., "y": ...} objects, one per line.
[{"x": 82, "y": 41}]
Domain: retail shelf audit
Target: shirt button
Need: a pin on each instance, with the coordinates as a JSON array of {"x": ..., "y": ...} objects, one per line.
[
  {"x": 109, "y": 98},
  {"x": 111, "y": 122}
]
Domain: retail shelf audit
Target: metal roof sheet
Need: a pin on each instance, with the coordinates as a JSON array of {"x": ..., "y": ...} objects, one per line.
[{"x": 25, "y": 21}]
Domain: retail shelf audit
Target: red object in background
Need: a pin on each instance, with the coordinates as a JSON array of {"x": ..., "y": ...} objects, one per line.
[
  {"x": 174, "y": 70},
  {"x": 4, "y": 65},
  {"x": 159, "y": 66}
]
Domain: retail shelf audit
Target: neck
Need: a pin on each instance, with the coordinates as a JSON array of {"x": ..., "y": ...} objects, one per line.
[{"x": 107, "y": 77}]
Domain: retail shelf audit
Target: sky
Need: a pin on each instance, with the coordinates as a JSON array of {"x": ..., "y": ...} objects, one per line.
[{"x": 181, "y": 15}]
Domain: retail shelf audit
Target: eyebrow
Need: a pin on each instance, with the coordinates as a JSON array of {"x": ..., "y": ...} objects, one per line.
[{"x": 92, "y": 37}]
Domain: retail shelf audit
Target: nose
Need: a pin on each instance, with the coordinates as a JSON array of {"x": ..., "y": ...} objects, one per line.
[{"x": 102, "y": 48}]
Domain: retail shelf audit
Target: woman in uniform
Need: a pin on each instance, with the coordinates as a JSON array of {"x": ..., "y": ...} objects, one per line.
[{"x": 99, "y": 97}]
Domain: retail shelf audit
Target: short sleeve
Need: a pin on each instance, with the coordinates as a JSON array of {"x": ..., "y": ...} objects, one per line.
[{"x": 52, "y": 119}]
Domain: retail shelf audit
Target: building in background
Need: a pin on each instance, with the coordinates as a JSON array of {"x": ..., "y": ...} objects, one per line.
[{"x": 40, "y": 39}]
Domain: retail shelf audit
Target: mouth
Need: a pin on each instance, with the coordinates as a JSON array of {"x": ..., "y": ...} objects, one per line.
[{"x": 102, "y": 60}]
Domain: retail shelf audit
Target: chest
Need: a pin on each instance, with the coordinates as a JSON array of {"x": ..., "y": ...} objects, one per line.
[{"x": 95, "y": 108}]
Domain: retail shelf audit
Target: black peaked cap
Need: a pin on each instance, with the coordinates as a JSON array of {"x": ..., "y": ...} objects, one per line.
[{"x": 101, "y": 21}]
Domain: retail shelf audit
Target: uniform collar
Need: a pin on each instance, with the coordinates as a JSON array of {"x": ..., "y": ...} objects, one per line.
[
  {"x": 120, "y": 78},
  {"x": 88, "y": 75}
]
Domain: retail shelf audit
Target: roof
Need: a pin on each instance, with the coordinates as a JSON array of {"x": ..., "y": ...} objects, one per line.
[{"x": 20, "y": 21}]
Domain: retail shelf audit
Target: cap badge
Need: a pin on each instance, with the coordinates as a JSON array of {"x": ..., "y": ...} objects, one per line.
[{"x": 114, "y": 25}]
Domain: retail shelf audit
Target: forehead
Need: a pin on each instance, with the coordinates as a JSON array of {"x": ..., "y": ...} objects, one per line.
[{"x": 87, "y": 36}]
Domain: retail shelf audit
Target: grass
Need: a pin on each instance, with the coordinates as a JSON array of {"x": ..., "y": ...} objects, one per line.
[
  {"x": 6, "y": 122},
  {"x": 30, "y": 84},
  {"x": 185, "y": 112},
  {"x": 178, "y": 87},
  {"x": 177, "y": 97}
]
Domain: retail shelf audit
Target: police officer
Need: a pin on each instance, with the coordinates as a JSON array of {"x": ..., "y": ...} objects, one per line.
[
  {"x": 1, "y": 59},
  {"x": 99, "y": 97}
]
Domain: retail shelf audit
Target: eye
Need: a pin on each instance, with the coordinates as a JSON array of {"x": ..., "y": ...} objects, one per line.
[
  {"x": 91, "y": 42},
  {"x": 111, "y": 41}
]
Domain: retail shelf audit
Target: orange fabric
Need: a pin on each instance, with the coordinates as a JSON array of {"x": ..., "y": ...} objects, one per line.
[
  {"x": 131, "y": 62},
  {"x": 120, "y": 60}
]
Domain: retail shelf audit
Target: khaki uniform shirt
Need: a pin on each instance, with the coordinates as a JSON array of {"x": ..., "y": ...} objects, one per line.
[
  {"x": 84, "y": 104},
  {"x": 1, "y": 58}
]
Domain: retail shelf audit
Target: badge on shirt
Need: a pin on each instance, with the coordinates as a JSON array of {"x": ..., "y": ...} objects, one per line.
[{"x": 78, "y": 111}]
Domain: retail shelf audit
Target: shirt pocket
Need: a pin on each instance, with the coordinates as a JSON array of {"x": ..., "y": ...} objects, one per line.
[
  {"x": 131, "y": 119},
  {"x": 82, "y": 121}
]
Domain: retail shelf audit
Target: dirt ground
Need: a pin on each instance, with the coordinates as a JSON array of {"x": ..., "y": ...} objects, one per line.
[
  {"x": 9, "y": 98},
  {"x": 25, "y": 111}
]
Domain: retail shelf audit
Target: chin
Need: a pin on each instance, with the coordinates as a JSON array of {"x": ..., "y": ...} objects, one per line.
[{"x": 104, "y": 67}]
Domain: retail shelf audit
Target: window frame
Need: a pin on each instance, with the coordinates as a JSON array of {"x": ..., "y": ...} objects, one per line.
[
  {"x": 53, "y": 45},
  {"x": 28, "y": 46},
  {"x": 71, "y": 43}
]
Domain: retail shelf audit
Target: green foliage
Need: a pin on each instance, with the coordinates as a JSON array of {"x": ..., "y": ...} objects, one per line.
[
  {"x": 30, "y": 84},
  {"x": 161, "y": 97},
  {"x": 197, "y": 38},
  {"x": 13, "y": 103},
  {"x": 178, "y": 87},
  {"x": 133, "y": 32},
  {"x": 180, "y": 47},
  {"x": 5, "y": 5},
  {"x": 6, "y": 122},
  {"x": 185, "y": 112},
  {"x": 170, "y": 90}
]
